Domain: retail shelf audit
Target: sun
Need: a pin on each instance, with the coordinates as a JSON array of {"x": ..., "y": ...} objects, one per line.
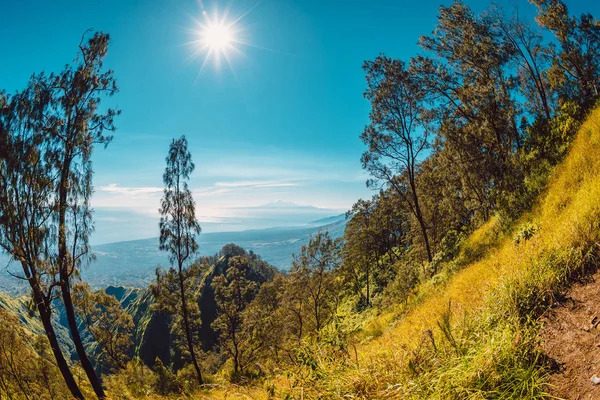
[{"x": 217, "y": 37}]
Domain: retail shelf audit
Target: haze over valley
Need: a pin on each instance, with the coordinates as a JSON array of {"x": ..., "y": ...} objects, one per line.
[{"x": 133, "y": 262}]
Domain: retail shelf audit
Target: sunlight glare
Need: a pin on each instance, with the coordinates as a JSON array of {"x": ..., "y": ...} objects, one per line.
[{"x": 217, "y": 37}]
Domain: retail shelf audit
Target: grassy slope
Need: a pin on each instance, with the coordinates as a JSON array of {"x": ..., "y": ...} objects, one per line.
[
  {"x": 472, "y": 334},
  {"x": 475, "y": 336},
  {"x": 482, "y": 341},
  {"x": 31, "y": 323}
]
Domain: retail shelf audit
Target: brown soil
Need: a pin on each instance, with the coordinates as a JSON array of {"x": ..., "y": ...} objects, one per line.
[{"x": 571, "y": 338}]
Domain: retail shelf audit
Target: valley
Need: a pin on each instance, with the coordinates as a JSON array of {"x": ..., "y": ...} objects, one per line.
[{"x": 132, "y": 263}]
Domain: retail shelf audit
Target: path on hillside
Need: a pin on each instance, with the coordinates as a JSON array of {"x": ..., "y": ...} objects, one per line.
[{"x": 571, "y": 337}]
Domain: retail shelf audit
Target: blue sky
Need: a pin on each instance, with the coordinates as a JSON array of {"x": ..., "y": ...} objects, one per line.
[{"x": 284, "y": 125}]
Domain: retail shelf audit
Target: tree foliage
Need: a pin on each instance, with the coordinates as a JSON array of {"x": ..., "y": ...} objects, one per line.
[
  {"x": 233, "y": 293},
  {"x": 179, "y": 227},
  {"x": 110, "y": 326},
  {"x": 49, "y": 132},
  {"x": 27, "y": 370}
]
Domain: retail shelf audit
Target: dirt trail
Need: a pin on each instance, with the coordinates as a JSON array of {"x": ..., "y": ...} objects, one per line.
[{"x": 571, "y": 337}]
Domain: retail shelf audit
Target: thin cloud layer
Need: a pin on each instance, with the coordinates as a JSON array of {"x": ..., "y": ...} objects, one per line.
[
  {"x": 256, "y": 184},
  {"x": 135, "y": 191}
]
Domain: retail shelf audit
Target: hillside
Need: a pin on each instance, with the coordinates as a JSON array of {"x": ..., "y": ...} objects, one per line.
[
  {"x": 152, "y": 337},
  {"x": 473, "y": 330},
  {"x": 189, "y": 254},
  {"x": 474, "y": 333},
  {"x": 19, "y": 306}
]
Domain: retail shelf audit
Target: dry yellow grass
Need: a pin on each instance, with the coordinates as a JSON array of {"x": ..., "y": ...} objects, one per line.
[
  {"x": 567, "y": 215},
  {"x": 474, "y": 303}
]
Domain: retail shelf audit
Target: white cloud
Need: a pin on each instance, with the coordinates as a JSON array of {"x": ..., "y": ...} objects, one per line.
[
  {"x": 141, "y": 200},
  {"x": 135, "y": 191},
  {"x": 255, "y": 184},
  {"x": 210, "y": 191}
]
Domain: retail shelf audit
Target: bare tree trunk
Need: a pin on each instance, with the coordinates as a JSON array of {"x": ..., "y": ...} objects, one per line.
[
  {"x": 45, "y": 317},
  {"x": 236, "y": 357},
  {"x": 419, "y": 216},
  {"x": 188, "y": 331},
  {"x": 85, "y": 361},
  {"x": 66, "y": 288},
  {"x": 368, "y": 298},
  {"x": 425, "y": 236}
]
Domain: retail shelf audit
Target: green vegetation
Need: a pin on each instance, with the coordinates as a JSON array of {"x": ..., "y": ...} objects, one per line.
[
  {"x": 178, "y": 230},
  {"x": 485, "y": 151},
  {"x": 48, "y": 133}
]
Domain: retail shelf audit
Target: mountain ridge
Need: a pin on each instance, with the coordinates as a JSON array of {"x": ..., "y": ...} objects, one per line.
[{"x": 132, "y": 263}]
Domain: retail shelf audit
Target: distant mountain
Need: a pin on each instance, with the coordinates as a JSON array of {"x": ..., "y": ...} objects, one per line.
[
  {"x": 117, "y": 225},
  {"x": 276, "y": 213},
  {"x": 288, "y": 205},
  {"x": 328, "y": 220},
  {"x": 133, "y": 263}
]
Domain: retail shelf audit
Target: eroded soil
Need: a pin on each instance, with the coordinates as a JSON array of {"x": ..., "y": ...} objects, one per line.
[{"x": 571, "y": 338}]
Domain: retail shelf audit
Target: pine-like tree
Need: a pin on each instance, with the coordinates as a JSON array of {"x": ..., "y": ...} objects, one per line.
[
  {"x": 178, "y": 230},
  {"x": 233, "y": 293},
  {"x": 397, "y": 135},
  {"x": 27, "y": 206},
  {"x": 75, "y": 97}
]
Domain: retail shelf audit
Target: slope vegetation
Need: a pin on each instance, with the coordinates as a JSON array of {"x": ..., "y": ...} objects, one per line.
[
  {"x": 20, "y": 307},
  {"x": 474, "y": 333}
]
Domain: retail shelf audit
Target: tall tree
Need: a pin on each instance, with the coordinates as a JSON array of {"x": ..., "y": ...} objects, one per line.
[
  {"x": 443, "y": 201},
  {"x": 292, "y": 305},
  {"x": 361, "y": 249},
  {"x": 377, "y": 234},
  {"x": 76, "y": 94},
  {"x": 471, "y": 92},
  {"x": 315, "y": 266},
  {"x": 397, "y": 134},
  {"x": 233, "y": 293},
  {"x": 263, "y": 321},
  {"x": 178, "y": 230},
  {"x": 27, "y": 204},
  {"x": 575, "y": 71}
]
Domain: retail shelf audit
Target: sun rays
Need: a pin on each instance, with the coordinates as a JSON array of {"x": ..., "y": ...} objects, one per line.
[{"x": 217, "y": 37}]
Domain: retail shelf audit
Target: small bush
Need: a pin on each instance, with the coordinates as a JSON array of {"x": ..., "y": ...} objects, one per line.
[
  {"x": 525, "y": 232},
  {"x": 136, "y": 380}
]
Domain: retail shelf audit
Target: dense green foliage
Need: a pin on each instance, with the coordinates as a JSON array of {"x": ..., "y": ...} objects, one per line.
[{"x": 469, "y": 129}]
